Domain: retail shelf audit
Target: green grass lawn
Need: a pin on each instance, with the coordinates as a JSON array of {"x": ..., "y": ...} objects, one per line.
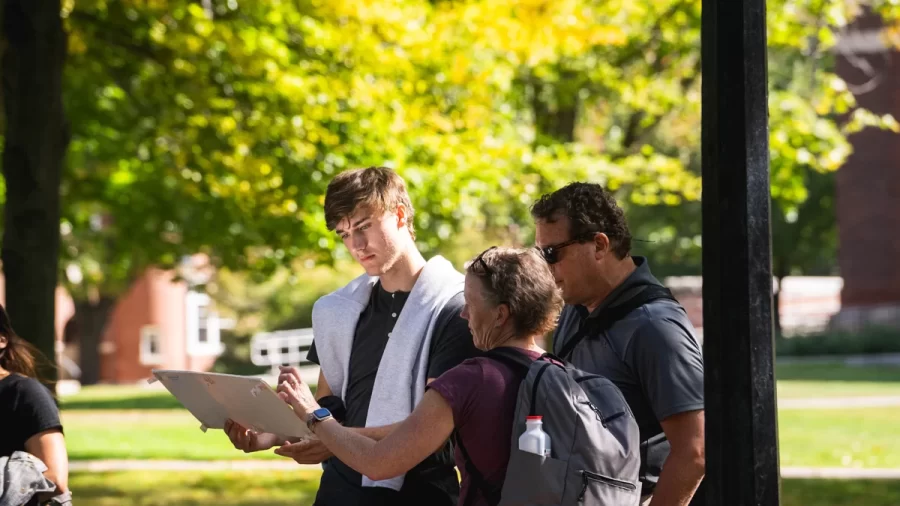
[
  {"x": 281, "y": 488},
  {"x": 150, "y": 434},
  {"x": 794, "y": 381},
  {"x": 108, "y": 397},
  {"x": 867, "y": 437},
  {"x": 141, "y": 423}
]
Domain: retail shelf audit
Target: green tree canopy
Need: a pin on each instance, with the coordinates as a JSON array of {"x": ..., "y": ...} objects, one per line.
[{"x": 216, "y": 130}]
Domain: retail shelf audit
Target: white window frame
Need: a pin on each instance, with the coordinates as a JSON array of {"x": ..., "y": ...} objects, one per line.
[
  {"x": 147, "y": 356},
  {"x": 213, "y": 345}
]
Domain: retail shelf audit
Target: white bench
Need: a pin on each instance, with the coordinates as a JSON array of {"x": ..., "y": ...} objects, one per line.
[{"x": 283, "y": 347}]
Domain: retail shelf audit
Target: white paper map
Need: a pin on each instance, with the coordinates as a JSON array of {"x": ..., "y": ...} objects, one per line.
[{"x": 213, "y": 398}]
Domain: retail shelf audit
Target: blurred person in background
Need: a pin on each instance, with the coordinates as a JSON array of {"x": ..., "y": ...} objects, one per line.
[{"x": 33, "y": 459}]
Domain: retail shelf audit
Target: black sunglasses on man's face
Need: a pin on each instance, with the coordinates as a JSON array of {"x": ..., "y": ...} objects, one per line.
[{"x": 551, "y": 253}]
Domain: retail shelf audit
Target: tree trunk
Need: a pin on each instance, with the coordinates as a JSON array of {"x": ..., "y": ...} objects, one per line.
[
  {"x": 36, "y": 138},
  {"x": 555, "y": 108},
  {"x": 91, "y": 318}
]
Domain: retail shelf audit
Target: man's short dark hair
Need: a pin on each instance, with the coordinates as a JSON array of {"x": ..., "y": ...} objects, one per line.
[{"x": 590, "y": 209}]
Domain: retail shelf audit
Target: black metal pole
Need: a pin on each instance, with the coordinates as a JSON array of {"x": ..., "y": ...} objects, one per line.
[{"x": 742, "y": 467}]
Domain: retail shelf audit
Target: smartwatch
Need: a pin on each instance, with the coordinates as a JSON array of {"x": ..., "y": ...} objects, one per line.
[{"x": 319, "y": 415}]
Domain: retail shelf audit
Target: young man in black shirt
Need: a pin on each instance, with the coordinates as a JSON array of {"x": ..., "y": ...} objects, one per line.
[{"x": 379, "y": 341}]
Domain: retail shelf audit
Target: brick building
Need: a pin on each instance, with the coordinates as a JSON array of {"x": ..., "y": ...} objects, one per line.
[
  {"x": 868, "y": 186},
  {"x": 158, "y": 323}
]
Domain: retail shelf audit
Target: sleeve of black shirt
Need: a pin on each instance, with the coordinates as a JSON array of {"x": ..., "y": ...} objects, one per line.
[
  {"x": 312, "y": 355},
  {"x": 36, "y": 411},
  {"x": 452, "y": 340},
  {"x": 669, "y": 364}
]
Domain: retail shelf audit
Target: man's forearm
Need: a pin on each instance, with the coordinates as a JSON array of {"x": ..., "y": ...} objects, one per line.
[{"x": 678, "y": 481}]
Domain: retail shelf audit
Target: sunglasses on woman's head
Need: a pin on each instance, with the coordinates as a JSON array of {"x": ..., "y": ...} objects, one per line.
[{"x": 480, "y": 259}]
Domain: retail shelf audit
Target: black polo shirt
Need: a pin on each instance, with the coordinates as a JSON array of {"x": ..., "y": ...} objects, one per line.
[{"x": 434, "y": 481}]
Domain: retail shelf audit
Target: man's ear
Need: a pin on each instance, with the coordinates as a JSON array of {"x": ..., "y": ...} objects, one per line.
[
  {"x": 401, "y": 215},
  {"x": 601, "y": 245}
]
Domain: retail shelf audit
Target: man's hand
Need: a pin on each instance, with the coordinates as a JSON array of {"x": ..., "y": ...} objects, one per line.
[
  {"x": 308, "y": 450},
  {"x": 247, "y": 440}
]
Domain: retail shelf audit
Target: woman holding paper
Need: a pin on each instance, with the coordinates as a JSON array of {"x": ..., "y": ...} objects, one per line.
[{"x": 511, "y": 299}]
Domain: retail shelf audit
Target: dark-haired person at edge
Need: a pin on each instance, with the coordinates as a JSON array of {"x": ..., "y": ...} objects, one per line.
[
  {"x": 511, "y": 299},
  {"x": 652, "y": 354},
  {"x": 379, "y": 341},
  {"x": 29, "y": 423}
]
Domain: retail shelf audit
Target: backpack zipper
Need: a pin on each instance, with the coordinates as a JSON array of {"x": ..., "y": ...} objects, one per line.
[
  {"x": 597, "y": 412},
  {"x": 594, "y": 408},
  {"x": 587, "y": 476}
]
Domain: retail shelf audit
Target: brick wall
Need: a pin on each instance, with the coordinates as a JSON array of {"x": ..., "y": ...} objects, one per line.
[
  {"x": 808, "y": 303},
  {"x": 152, "y": 300},
  {"x": 868, "y": 186}
]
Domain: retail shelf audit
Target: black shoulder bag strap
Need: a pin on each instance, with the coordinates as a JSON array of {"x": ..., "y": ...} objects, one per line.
[
  {"x": 491, "y": 493},
  {"x": 609, "y": 316}
]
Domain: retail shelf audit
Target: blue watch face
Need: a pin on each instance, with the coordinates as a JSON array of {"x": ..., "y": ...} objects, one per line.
[{"x": 321, "y": 413}]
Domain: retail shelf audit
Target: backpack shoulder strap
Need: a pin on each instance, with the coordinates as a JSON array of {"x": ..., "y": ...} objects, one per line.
[
  {"x": 490, "y": 492},
  {"x": 516, "y": 360},
  {"x": 609, "y": 316},
  {"x": 520, "y": 363}
]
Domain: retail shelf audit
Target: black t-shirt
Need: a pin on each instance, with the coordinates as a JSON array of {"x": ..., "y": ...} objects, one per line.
[
  {"x": 434, "y": 481},
  {"x": 26, "y": 408}
]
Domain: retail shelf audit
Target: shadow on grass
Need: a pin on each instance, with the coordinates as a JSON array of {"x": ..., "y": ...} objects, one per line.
[
  {"x": 840, "y": 493},
  {"x": 118, "y": 398},
  {"x": 836, "y": 372},
  {"x": 277, "y": 488},
  {"x": 149, "y": 400},
  {"x": 163, "y": 488}
]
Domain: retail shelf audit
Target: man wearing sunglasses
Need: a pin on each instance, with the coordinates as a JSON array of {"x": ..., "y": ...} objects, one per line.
[{"x": 612, "y": 325}]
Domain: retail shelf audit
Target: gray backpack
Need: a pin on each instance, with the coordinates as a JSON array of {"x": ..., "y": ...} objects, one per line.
[{"x": 595, "y": 442}]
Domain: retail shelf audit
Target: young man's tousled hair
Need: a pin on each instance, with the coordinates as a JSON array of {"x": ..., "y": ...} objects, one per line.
[{"x": 378, "y": 189}]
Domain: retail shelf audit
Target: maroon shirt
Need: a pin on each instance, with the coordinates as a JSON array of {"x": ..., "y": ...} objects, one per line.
[{"x": 482, "y": 394}]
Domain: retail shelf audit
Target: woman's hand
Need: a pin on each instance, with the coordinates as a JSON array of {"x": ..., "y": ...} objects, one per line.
[{"x": 292, "y": 390}]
